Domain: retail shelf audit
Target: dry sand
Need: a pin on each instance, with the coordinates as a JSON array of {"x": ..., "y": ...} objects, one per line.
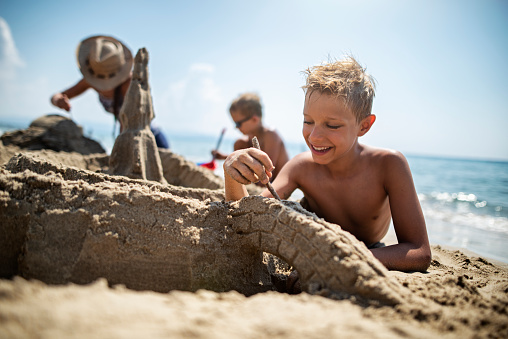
[
  {"x": 468, "y": 297},
  {"x": 200, "y": 269}
]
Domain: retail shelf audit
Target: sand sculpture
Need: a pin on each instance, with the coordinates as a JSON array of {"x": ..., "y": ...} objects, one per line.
[
  {"x": 135, "y": 153},
  {"x": 52, "y": 132},
  {"x": 179, "y": 171},
  {"x": 62, "y": 224},
  {"x": 176, "y": 169},
  {"x": 64, "y": 219}
]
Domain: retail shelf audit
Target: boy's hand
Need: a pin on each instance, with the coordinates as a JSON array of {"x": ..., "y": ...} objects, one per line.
[
  {"x": 61, "y": 101},
  {"x": 249, "y": 166},
  {"x": 218, "y": 155}
]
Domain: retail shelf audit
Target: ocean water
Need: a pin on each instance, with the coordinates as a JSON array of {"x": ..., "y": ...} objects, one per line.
[{"x": 465, "y": 202}]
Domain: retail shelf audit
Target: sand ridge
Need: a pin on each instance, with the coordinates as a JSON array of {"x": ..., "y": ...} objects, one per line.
[{"x": 115, "y": 222}]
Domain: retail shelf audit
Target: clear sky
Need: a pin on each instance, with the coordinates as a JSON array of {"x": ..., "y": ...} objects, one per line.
[{"x": 441, "y": 66}]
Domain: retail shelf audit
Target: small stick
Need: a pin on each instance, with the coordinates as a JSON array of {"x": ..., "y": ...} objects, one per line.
[{"x": 255, "y": 143}]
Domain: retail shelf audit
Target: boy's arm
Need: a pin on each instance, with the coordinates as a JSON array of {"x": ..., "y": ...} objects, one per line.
[
  {"x": 272, "y": 145},
  {"x": 284, "y": 184},
  {"x": 77, "y": 89},
  {"x": 219, "y": 155},
  {"x": 61, "y": 99},
  {"x": 412, "y": 253},
  {"x": 233, "y": 189},
  {"x": 243, "y": 167}
]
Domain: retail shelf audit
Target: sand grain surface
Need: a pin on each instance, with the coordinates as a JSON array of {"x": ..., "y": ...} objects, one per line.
[{"x": 87, "y": 254}]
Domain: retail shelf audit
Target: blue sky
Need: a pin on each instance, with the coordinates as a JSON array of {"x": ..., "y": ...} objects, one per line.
[{"x": 441, "y": 66}]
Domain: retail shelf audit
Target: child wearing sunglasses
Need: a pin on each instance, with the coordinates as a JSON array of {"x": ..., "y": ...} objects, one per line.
[{"x": 247, "y": 113}]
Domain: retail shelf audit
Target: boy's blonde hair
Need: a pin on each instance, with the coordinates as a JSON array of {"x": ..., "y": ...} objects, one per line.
[
  {"x": 249, "y": 104},
  {"x": 346, "y": 79}
]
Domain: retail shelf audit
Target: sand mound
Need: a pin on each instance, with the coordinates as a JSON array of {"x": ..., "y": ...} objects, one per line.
[
  {"x": 69, "y": 225},
  {"x": 469, "y": 293},
  {"x": 64, "y": 224},
  {"x": 54, "y": 132},
  {"x": 177, "y": 170}
]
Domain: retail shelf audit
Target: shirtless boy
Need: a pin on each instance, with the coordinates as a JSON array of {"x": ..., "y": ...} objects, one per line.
[
  {"x": 246, "y": 112},
  {"x": 356, "y": 186}
]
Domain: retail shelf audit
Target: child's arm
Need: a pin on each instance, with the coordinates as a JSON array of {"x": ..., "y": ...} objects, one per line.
[
  {"x": 243, "y": 167},
  {"x": 412, "y": 253},
  {"x": 219, "y": 155},
  {"x": 285, "y": 183},
  {"x": 61, "y": 100},
  {"x": 272, "y": 145}
]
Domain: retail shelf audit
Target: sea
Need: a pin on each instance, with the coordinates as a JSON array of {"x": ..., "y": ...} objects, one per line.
[{"x": 464, "y": 201}]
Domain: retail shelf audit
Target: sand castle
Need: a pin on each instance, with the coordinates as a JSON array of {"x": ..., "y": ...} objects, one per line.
[
  {"x": 135, "y": 153},
  {"x": 71, "y": 225}
]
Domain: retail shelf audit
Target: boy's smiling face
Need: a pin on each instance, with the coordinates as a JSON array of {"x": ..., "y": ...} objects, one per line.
[{"x": 330, "y": 128}]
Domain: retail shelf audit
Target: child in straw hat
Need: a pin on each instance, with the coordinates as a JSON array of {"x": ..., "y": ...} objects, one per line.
[{"x": 106, "y": 65}]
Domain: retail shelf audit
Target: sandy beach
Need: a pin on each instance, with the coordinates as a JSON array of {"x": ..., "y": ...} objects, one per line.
[
  {"x": 141, "y": 243},
  {"x": 76, "y": 270},
  {"x": 466, "y": 298},
  {"x": 466, "y": 295}
]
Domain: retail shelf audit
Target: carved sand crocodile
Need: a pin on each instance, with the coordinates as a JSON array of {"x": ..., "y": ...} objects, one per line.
[{"x": 62, "y": 224}]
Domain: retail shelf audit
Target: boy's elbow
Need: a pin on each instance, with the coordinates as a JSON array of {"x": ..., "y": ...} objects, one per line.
[
  {"x": 423, "y": 261},
  {"x": 416, "y": 260}
]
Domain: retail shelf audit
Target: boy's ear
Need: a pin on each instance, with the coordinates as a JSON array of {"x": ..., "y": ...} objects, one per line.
[{"x": 366, "y": 124}]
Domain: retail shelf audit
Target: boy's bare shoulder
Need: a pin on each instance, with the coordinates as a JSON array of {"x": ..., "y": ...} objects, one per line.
[
  {"x": 382, "y": 153},
  {"x": 384, "y": 157},
  {"x": 304, "y": 157},
  {"x": 241, "y": 143},
  {"x": 299, "y": 167},
  {"x": 272, "y": 135},
  {"x": 301, "y": 161}
]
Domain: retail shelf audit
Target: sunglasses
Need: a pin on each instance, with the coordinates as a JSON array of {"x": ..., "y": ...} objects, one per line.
[{"x": 238, "y": 124}]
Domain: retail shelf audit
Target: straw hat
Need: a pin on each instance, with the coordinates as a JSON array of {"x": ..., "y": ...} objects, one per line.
[{"x": 104, "y": 61}]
